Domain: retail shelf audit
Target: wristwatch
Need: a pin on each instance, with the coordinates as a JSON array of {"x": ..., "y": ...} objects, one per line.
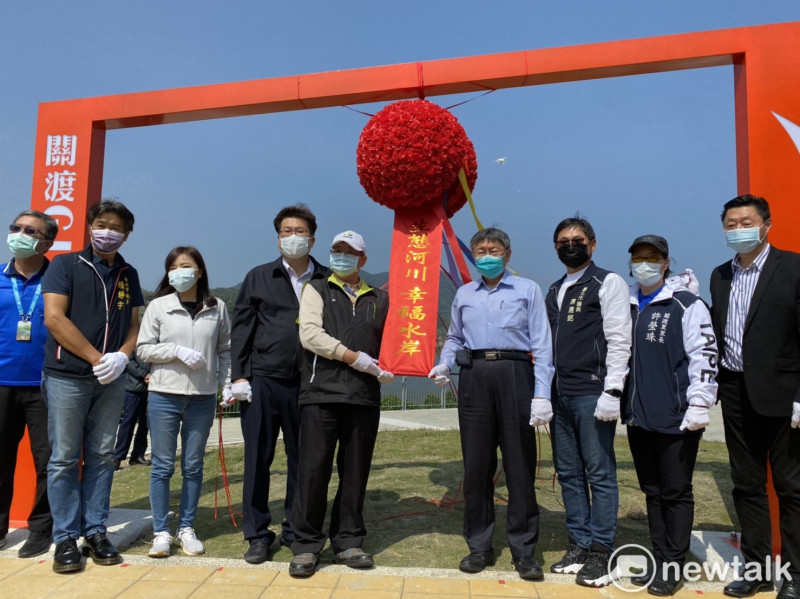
[{"x": 614, "y": 392}]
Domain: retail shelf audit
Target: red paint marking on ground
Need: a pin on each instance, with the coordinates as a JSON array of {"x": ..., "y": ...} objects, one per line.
[
  {"x": 220, "y": 569},
  {"x": 501, "y": 582},
  {"x": 124, "y": 565}
]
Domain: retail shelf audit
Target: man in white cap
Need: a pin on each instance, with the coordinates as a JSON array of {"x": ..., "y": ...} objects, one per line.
[{"x": 341, "y": 325}]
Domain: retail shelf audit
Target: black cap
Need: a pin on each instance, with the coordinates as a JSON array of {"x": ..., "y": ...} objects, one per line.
[{"x": 656, "y": 241}]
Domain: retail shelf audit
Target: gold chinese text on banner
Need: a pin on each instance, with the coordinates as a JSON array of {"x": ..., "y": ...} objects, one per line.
[{"x": 409, "y": 338}]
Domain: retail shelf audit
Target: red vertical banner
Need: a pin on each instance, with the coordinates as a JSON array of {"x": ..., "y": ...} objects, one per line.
[{"x": 409, "y": 338}]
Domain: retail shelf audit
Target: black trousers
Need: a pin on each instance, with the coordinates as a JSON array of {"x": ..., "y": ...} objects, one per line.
[
  {"x": 134, "y": 414},
  {"x": 665, "y": 466},
  {"x": 752, "y": 441},
  {"x": 494, "y": 406},
  {"x": 322, "y": 426},
  {"x": 20, "y": 407},
  {"x": 274, "y": 408}
]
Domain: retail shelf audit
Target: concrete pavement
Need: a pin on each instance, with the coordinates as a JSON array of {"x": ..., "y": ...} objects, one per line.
[{"x": 179, "y": 576}]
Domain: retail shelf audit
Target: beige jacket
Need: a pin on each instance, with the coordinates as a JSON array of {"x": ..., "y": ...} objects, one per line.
[{"x": 166, "y": 325}]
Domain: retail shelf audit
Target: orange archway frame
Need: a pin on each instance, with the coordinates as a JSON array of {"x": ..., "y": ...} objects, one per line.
[{"x": 70, "y": 136}]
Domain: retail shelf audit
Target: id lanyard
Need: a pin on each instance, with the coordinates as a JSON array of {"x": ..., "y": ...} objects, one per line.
[{"x": 24, "y": 324}]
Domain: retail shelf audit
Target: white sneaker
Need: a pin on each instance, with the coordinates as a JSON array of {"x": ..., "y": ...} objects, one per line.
[
  {"x": 188, "y": 542},
  {"x": 161, "y": 545}
]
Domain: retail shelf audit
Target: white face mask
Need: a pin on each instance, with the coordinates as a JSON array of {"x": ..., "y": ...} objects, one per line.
[
  {"x": 294, "y": 246},
  {"x": 182, "y": 279},
  {"x": 646, "y": 274}
]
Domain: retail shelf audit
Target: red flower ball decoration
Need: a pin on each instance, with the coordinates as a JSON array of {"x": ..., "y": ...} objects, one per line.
[{"x": 409, "y": 156}]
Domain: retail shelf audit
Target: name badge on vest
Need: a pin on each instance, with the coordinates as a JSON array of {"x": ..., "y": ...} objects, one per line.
[{"x": 24, "y": 330}]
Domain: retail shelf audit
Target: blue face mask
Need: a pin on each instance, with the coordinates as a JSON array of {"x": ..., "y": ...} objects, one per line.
[
  {"x": 21, "y": 245},
  {"x": 490, "y": 267},
  {"x": 744, "y": 240},
  {"x": 344, "y": 264}
]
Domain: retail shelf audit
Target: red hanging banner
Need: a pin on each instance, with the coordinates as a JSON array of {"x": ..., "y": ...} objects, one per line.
[{"x": 409, "y": 338}]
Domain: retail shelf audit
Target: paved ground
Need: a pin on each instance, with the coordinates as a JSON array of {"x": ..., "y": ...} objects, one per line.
[{"x": 176, "y": 577}]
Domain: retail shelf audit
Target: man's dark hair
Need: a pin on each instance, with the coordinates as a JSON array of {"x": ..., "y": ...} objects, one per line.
[
  {"x": 113, "y": 207},
  {"x": 203, "y": 288},
  {"x": 490, "y": 234},
  {"x": 575, "y": 221},
  {"x": 760, "y": 204},
  {"x": 49, "y": 224},
  {"x": 300, "y": 211}
]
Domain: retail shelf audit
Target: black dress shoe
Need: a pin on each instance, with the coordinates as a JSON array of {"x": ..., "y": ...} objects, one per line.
[
  {"x": 67, "y": 557},
  {"x": 101, "y": 550},
  {"x": 117, "y": 465},
  {"x": 140, "y": 461},
  {"x": 642, "y": 579},
  {"x": 528, "y": 568},
  {"x": 664, "y": 588},
  {"x": 746, "y": 588},
  {"x": 476, "y": 561},
  {"x": 354, "y": 558},
  {"x": 36, "y": 544},
  {"x": 303, "y": 565},
  {"x": 789, "y": 590},
  {"x": 257, "y": 553}
]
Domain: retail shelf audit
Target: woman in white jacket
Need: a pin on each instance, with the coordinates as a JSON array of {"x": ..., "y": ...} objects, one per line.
[{"x": 185, "y": 335}]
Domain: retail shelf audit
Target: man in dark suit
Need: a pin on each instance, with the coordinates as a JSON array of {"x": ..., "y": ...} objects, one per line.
[{"x": 756, "y": 317}]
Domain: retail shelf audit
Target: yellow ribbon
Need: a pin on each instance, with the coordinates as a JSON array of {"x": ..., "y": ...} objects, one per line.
[{"x": 462, "y": 176}]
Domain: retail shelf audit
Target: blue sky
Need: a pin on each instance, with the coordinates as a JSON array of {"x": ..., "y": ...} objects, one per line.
[{"x": 635, "y": 155}]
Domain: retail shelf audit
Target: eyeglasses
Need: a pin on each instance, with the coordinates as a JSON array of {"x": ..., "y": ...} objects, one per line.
[
  {"x": 302, "y": 231},
  {"x": 648, "y": 259},
  {"x": 494, "y": 253},
  {"x": 350, "y": 252},
  {"x": 571, "y": 243},
  {"x": 27, "y": 230}
]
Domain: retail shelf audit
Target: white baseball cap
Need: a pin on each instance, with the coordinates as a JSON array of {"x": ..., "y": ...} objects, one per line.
[{"x": 351, "y": 238}]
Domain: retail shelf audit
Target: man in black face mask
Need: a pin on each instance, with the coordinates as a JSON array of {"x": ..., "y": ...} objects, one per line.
[{"x": 590, "y": 318}]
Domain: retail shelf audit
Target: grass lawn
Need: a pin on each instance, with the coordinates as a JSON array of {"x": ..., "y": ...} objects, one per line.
[{"x": 413, "y": 509}]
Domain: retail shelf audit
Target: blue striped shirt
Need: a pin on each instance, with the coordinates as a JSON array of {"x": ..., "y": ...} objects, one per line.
[
  {"x": 742, "y": 287},
  {"x": 510, "y": 316}
]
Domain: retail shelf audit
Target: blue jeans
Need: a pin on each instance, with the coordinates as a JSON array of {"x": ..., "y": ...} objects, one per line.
[
  {"x": 168, "y": 414},
  {"x": 583, "y": 455},
  {"x": 82, "y": 416}
]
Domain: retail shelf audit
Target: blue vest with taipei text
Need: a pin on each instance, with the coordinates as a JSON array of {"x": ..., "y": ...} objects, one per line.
[{"x": 655, "y": 393}]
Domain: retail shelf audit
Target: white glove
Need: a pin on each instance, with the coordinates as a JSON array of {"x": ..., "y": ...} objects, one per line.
[
  {"x": 241, "y": 391},
  {"x": 227, "y": 397},
  {"x": 541, "y": 411},
  {"x": 192, "y": 358},
  {"x": 386, "y": 377},
  {"x": 796, "y": 414},
  {"x": 439, "y": 375},
  {"x": 366, "y": 363},
  {"x": 607, "y": 408},
  {"x": 110, "y": 367},
  {"x": 696, "y": 417}
]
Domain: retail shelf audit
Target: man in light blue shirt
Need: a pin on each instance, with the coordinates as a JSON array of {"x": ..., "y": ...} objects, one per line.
[{"x": 500, "y": 336}]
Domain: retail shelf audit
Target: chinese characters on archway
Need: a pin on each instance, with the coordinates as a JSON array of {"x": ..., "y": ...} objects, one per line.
[{"x": 59, "y": 192}]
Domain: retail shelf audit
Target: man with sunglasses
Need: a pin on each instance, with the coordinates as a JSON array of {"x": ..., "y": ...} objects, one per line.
[
  {"x": 591, "y": 322},
  {"x": 91, "y": 309},
  {"x": 21, "y": 357}
]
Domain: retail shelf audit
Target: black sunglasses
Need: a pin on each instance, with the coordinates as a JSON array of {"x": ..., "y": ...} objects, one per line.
[{"x": 27, "y": 230}]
